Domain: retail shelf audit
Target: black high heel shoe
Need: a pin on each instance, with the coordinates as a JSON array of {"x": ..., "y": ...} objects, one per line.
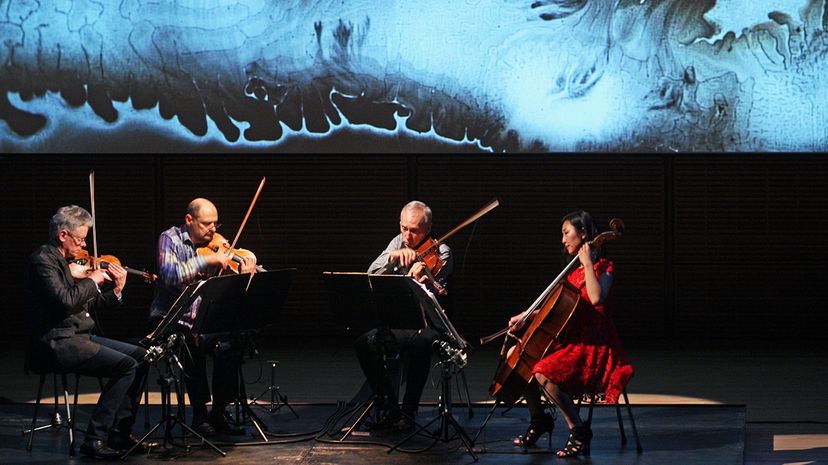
[
  {"x": 578, "y": 442},
  {"x": 537, "y": 427}
]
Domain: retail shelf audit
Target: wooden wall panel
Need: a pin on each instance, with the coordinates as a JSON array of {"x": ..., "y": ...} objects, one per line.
[
  {"x": 748, "y": 246},
  {"x": 717, "y": 248},
  {"x": 515, "y": 251},
  {"x": 36, "y": 186},
  {"x": 315, "y": 214}
]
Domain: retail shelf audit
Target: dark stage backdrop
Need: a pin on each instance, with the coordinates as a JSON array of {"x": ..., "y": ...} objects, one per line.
[{"x": 721, "y": 249}]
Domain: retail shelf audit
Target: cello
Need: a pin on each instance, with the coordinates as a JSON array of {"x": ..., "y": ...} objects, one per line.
[{"x": 552, "y": 309}]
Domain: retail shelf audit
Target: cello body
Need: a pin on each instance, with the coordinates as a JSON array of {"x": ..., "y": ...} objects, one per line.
[{"x": 515, "y": 371}]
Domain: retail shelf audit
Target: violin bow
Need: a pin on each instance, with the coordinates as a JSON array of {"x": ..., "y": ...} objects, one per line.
[
  {"x": 486, "y": 209},
  {"x": 95, "y": 264},
  {"x": 244, "y": 221}
]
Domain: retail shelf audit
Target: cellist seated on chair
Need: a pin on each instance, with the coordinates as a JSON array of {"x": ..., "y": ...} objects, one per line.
[
  {"x": 60, "y": 328},
  {"x": 414, "y": 346},
  {"x": 588, "y": 353}
]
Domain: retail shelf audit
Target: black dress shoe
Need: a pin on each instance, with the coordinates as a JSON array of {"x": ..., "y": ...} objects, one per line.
[
  {"x": 404, "y": 425},
  {"x": 221, "y": 426},
  {"x": 205, "y": 429},
  {"x": 124, "y": 443},
  {"x": 98, "y": 449}
]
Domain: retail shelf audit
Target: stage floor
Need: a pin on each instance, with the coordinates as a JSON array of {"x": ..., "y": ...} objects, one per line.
[
  {"x": 685, "y": 434},
  {"x": 691, "y": 406}
]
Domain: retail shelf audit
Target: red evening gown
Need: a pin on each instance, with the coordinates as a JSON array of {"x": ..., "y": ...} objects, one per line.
[{"x": 589, "y": 353}]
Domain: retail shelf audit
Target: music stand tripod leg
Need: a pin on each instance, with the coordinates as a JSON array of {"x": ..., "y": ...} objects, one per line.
[
  {"x": 365, "y": 411},
  {"x": 485, "y": 422},
  {"x": 168, "y": 419},
  {"x": 445, "y": 417},
  {"x": 247, "y": 411},
  {"x": 275, "y": 394}
]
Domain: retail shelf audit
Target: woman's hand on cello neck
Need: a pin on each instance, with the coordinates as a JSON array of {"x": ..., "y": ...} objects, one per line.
[{"x": 585, "y": 255}]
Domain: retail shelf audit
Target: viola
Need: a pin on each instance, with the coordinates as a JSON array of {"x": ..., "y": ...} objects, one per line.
[
  {"x": 428, "y": 254},
  {"x": 219, "y": 244},
  {"x": 82, "y": 264},
  {"x": 429, "y": 251}
]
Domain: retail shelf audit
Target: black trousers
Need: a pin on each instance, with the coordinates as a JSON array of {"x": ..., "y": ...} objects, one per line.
[
  {"x": 124, "y": 366},
  {"x": 225, "y": 379},
  {"x": 414, "y": 348}
]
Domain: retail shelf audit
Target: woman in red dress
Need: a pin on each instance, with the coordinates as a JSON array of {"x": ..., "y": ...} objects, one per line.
[{"x": 588, "y": 356}]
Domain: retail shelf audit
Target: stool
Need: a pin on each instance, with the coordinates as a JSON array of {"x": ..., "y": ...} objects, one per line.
[
  {"x": 591, "y": 397},
  {"x": 55, "y": 421}
]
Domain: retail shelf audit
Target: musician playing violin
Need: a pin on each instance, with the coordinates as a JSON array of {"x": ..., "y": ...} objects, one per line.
[
  {"x": 60, "y": 324},
  {"x": 400, "y": 258},
  {"x": 180, "y": 264},
  {"x": 588, "y": 356}
]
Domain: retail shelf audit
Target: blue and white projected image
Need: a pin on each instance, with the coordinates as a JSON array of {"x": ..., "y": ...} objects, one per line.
[{"x": 499, "y": 75}]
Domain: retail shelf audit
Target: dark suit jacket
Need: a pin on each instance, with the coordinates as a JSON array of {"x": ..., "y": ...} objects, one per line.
[{"x": 59, "y": 320}]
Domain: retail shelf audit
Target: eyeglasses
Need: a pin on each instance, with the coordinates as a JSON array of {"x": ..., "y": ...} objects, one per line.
[
  {"x": 209, "y": 224},
  {"x": 78, "y": 240}
]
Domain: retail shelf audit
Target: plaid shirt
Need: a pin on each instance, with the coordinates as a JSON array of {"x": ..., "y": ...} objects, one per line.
[{"x": 179, "y": 265}]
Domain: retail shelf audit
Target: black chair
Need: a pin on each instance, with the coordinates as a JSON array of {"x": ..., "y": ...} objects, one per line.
[
  {"x": 55, "y": 420},
  {"x": 600, "y": 397}
]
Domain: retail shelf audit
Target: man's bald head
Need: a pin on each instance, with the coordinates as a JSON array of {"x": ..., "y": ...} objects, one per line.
[
  {"x": 201, "y": 220},
  {"x": 196, "y": 205}
]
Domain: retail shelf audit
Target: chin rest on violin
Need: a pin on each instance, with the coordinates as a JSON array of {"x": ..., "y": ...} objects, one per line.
[
  {"x": 83, "y": 264},
  {"x": 219, "y": 244}
]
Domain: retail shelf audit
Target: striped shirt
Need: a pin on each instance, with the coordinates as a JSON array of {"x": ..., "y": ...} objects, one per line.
[{"x": 178, "y": 266}]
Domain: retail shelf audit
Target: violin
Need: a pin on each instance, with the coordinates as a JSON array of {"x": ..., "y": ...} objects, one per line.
[
  {"x": 82, "y": 264},
  {"x": 219, "y": 244}
]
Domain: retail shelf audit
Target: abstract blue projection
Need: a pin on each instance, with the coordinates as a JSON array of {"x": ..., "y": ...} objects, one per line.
[{"x": 504, "y": 75}]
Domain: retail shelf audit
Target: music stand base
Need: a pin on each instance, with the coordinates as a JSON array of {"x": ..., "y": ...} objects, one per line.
[
  {"x": 168, "y": 419},
  {"x": 273, "y": 406},
  {"x": 446, "y": 419}
]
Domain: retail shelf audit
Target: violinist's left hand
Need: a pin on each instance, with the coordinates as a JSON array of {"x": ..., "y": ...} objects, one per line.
[
  {"x": 248, "y": 264},
  {"x": 585, "y": 255},
  {"x": 118, "y": 275},
  {"x": 417, "y": 272}
]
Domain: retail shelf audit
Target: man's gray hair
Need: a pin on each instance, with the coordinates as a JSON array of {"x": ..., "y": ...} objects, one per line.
[
  {"x": 417, "y": 205},
  {"x": 70, "y": 218}
]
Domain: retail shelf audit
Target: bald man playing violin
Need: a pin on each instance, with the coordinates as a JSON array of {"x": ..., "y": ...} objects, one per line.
[
  {"x": 415, "y": 346},
  {"x": 180, "y": 264},
  {"x": 61, "y": 326}
]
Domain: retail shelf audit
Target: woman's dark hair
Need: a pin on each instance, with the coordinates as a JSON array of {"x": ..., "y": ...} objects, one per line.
[{"x": 582, "y": 222}]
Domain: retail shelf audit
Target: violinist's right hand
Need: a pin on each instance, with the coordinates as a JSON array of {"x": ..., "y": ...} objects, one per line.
[
  {"x": 405, "y": 257},
  {"x": 217, "y": 259},
  {"x": 515, "y": 323}
]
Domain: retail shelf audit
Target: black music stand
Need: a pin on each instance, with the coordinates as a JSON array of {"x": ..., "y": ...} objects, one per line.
[
  {"x": 265, "y": 298},
  {"x": 164, "y": 344},
  {"x": 239, "y": 305},
  {"x": 452, "y": 352},
  {"x": 362, "y": 302}
]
